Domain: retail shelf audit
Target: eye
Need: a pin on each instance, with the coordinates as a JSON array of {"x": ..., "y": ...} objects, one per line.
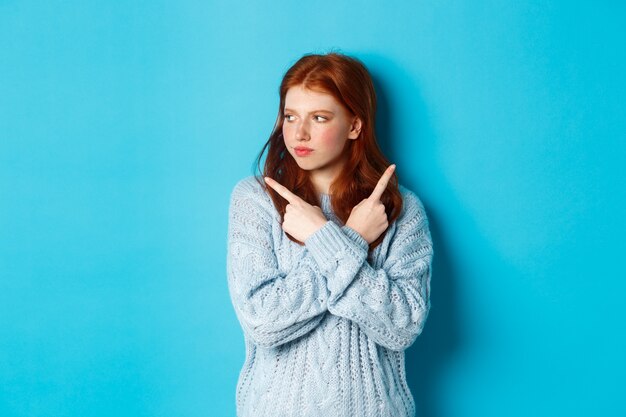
[
  {"x": 320, "y": 118},
  {"x": 288, "y": 117}
]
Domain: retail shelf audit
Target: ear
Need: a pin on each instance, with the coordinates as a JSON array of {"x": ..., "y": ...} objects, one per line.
[{"x": 355, "y": 128}]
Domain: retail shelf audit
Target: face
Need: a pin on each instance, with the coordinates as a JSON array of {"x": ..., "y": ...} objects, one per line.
[{"x": 316, "y": 129}]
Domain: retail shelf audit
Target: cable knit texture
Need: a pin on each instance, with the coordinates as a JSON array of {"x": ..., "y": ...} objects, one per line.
[{"x": 325, "y": 324}]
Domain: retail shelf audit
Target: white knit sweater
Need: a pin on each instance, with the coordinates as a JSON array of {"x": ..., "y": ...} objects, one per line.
[{"x": 325, "y": 324}]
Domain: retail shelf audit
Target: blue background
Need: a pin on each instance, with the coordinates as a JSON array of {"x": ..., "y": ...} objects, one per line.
[{"x": 124, "y": 126}]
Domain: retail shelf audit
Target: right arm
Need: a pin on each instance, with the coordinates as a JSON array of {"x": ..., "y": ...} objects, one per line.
[{"x": 273, "y": 307}]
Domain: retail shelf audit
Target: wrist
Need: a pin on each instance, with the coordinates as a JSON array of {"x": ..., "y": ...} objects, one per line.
[
  {"x": 318, "y": 226},
  {"x": 353, "y": 227}
]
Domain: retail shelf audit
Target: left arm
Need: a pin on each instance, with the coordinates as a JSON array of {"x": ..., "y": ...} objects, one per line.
[{"x": 391, "y": 303}]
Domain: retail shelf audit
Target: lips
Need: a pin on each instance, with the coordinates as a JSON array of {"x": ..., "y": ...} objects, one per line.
[{"x": 302, "y": 150}]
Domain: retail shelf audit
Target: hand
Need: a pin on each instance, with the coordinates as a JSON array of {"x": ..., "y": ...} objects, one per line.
[
  {"x": 301, "y": 219},
  {"x": 369, "y": 218}
]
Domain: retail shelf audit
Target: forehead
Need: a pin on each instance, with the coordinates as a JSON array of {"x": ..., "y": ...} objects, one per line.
[{"x": 302, "y": 98}]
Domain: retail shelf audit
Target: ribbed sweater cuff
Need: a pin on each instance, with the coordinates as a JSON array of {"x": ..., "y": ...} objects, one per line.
[
  {"x": 356, "y": 237},
  {"x": 330, "y": 243}
]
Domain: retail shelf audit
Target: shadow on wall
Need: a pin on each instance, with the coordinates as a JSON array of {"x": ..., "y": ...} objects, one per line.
[{"x": 442, "y": 338}]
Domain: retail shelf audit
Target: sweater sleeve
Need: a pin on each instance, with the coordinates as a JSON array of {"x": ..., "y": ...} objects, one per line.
[
  {"x": 390, "y": 303},
  {"x": 273, "y": 306}
]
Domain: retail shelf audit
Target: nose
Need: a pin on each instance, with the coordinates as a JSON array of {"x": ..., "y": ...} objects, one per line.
[{"x": 302, "y": 132}]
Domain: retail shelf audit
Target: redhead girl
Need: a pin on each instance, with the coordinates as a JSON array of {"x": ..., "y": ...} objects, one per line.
[{"x": 329, "y": 257}]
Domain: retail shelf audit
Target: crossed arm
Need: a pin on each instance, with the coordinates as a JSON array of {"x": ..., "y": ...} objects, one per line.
[{"x": 390, "y": 303}]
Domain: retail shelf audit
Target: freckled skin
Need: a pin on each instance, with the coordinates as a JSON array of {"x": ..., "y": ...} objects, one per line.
[{"x": 325, "y": 133}]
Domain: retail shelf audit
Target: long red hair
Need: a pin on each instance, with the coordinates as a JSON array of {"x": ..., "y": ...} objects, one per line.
[{"x": 349, "y": 82}]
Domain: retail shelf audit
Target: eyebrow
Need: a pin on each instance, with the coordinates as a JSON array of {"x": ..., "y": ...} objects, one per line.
[{"x": 314, "y": 111}]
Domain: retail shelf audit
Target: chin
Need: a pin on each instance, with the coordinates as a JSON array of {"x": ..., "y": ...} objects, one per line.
[
  {"x": 305, "y": 166},
  {"x": 305, "y": 163}
]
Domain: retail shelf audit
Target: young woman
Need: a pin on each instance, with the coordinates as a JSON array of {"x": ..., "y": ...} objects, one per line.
[{"x": 329, "y": 257}]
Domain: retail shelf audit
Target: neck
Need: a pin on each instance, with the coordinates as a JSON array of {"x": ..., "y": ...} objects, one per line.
[
  {"x": 322, "y": 180},
  {"x": 321, "y": 188}
]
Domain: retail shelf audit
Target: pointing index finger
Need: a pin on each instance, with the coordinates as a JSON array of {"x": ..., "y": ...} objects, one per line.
[
  {"x": 381, "y": 186},
  {"x": 282, "y": 190}
]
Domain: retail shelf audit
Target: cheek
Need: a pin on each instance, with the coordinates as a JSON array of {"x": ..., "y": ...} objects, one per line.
[
  {"x": 331, "y": 136},
  {"x": 286, "y": 131}
]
